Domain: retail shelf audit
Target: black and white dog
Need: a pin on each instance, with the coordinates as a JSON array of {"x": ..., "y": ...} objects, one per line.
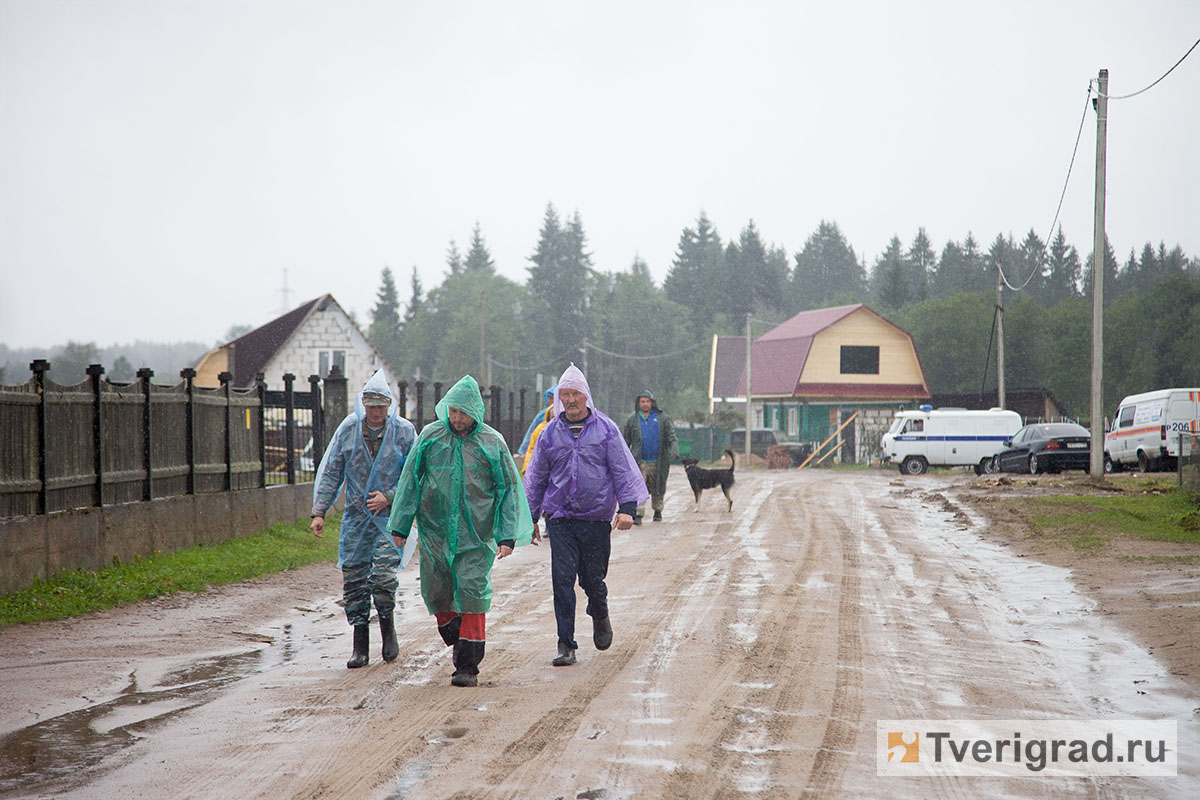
[{"x": 701, "y": 478}]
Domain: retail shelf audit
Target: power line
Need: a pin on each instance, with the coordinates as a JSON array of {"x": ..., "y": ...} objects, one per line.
[
  {"x": 1151, "y": 86},
  {"x": 599, "y": 349},
  {"x": 556, "y": 360},
  {"x": 1075, "y": 151}
]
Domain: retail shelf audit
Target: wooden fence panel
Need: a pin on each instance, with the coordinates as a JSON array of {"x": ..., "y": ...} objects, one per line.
[
  {"x": 70, "y": 456},
  {"x": 123, "y": 442},
  {"x": 19, "y": 483},
  {"x": 168, "y": 439}
]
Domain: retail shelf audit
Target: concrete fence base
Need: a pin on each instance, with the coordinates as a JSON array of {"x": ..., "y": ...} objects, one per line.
[{"x": 91, "y": 538}]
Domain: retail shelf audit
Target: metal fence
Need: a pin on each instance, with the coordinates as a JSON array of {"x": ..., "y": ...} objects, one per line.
[
  {"x": 1188, "y": 462},
  {"x": 101, "y": 442}
]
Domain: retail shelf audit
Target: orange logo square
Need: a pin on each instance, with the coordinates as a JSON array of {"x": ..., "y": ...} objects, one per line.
[{"x": 906, "y": 746}]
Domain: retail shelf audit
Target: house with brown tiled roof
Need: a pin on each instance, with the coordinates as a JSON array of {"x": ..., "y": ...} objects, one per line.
[
  {"x": 308, "y": 340},
  {"x": 815, "y": 370}
]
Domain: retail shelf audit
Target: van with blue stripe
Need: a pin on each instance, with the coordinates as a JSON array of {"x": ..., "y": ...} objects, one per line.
[{"x": 948, "y": 437}]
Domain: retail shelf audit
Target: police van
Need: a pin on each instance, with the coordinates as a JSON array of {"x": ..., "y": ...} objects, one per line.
[
  {"x": 1146, "y": 429},
  {"x": 948, "y": 437}
]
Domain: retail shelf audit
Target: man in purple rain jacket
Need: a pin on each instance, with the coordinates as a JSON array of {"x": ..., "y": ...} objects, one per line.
[{"x": 580, "y": 473}]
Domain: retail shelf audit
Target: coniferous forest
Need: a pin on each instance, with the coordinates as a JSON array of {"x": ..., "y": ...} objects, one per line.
[{"x": 633, "y": 334}]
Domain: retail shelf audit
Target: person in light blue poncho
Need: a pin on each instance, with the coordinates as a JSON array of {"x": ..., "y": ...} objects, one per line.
[{"x": 366, "y": 453}]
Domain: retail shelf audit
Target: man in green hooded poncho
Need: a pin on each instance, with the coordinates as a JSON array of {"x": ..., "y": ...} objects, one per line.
[{"x": 461, "y": 486}]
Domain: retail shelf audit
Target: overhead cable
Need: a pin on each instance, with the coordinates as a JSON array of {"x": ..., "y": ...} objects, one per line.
[
  {"x": 1041, "y": 257},
  {"x": 591, "y": 346},
  {"x": 1151, "y": 86}
]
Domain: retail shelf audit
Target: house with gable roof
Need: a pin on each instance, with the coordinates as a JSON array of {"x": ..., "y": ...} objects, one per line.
[
  {"x": 308, "y": 340},
  {"x": 814, "y": 371}
]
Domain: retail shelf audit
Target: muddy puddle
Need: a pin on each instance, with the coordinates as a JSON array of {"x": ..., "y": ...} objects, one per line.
[{"x": 69, "y": 750}]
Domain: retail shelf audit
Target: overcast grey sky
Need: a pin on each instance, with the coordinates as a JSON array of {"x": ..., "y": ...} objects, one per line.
[{"x": 162, "y": 162}]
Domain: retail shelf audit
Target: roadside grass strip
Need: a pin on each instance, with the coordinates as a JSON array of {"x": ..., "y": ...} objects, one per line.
[
  {"x": 1091, "y": 522},
  {"x": 72, "y": 592}
]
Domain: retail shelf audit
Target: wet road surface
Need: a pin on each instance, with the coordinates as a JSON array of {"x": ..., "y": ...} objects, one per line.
[{"x": 753, "y": 654}]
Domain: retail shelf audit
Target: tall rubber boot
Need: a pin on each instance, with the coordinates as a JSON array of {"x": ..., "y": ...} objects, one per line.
[
  {"x": 467, "y": 655},
  {"x": 387, "y": 628},
  {"x": 450, "y": 630},
  {"x": 362, "y": 641}
]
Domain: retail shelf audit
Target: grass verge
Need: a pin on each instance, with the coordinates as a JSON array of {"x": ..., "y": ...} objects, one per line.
[
  {"x": 1091, "y": 522},
  {"x": 73, "y": 592}
]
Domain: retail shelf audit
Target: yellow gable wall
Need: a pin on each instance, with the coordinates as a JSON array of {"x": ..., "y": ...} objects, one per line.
[{"x": 897, "y": 356}]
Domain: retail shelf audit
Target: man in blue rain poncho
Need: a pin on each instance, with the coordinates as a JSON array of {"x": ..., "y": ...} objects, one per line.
[
  {"x": 461, "y": 486},
  {"x": 539, "y": 420},
  {"x": 366, "y": 453}
]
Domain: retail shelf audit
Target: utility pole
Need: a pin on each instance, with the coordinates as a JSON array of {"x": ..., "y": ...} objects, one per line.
[
  {"x": 1000, "y": 400},
  {"x": 749, "y": 427},
  {"x": 482, "y": 341},
  {"x": 285, "y": 294},
  {"x": 1100, "y": 103}
]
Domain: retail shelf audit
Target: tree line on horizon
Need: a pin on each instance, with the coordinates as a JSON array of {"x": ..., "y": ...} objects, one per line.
[{"x": 633, "y": 335}]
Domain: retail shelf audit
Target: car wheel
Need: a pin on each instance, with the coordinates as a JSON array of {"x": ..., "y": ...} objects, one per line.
[
  {"x": 913, "y": 465},
  {"x": 989, "y": 466},
  {"x": 1145, "y": 464},
  {"x": 1034, "y": 468},
  {"x": 1110, "y": 466}
]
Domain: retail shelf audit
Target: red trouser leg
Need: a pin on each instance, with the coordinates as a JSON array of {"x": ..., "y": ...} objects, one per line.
[
  {"x": 469, "y": 650},
  {"x": 448, "y": 624}
]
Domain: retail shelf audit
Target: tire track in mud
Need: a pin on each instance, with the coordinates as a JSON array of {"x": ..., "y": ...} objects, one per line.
[
  {"x": 552, "y": 732},
  {"x": 753, "y": 748},
  {"x": 845, "y": 708}
]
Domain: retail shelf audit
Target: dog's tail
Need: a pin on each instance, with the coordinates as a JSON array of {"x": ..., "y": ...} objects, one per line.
[{"x": 732, "y": 460}]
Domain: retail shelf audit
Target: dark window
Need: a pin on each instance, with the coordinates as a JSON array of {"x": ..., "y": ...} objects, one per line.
[
  {"x": 1126, "y": 417},
  {"x": 860, "y": 360}
]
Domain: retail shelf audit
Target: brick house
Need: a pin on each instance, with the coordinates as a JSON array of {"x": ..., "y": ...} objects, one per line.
[{"x": 308, "y": 340}]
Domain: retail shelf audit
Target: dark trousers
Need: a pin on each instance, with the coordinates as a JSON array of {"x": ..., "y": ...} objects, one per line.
[{"x": 579, "y": 548}]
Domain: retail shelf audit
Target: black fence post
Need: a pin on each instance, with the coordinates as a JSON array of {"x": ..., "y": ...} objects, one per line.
[
  {"x": 496, "y": 392},
  {"x": 420, "y": 421},
  {"x": 144, "y": 375},
  {"x": 289, "y": 432},
  {"x": 318, "y": 421},
  {"x": 260, "y": 383},
  {"x": 94, "y": 372},
  {"x": 437, "y": 395},
  {"x": 524, "y": 419},
  {"x": 226, "y": 379},
  {"x": 336, "y": 400},
  {"x": 402, "y": 399},
  {"x": 189, "y": 377},
  {"x": 39, "y": 368}
]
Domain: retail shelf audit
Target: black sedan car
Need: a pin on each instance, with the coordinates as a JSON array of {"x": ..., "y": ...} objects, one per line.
[{"x": 1046, "y": 447}]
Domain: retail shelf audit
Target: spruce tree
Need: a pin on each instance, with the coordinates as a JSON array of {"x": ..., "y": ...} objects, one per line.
[
  {"x": 478, "y": 257},
  {"x": 385, "y": 329}
]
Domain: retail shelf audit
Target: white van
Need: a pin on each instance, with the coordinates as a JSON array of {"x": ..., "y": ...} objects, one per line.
[
  {"x": 948, "y": 437},
  {"x": 1145, "y": 430}
]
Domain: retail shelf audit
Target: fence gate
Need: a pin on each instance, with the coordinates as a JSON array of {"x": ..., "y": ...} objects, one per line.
[{"x": 293, "y": 432}]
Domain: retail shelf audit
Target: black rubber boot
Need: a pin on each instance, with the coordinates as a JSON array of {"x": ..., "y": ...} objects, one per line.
[
  {"x": 450, "y": 630},
  {"x": 601, "y": 633},
  {"x": 387, "y": 628},
  {"x": 362, "y": 641},
  {"x": 565, "y": 657},
  {"x": 467, "y": 655}
]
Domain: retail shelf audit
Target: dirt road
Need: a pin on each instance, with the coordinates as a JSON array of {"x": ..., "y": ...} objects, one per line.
[{"x": 754, "y": 653}]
